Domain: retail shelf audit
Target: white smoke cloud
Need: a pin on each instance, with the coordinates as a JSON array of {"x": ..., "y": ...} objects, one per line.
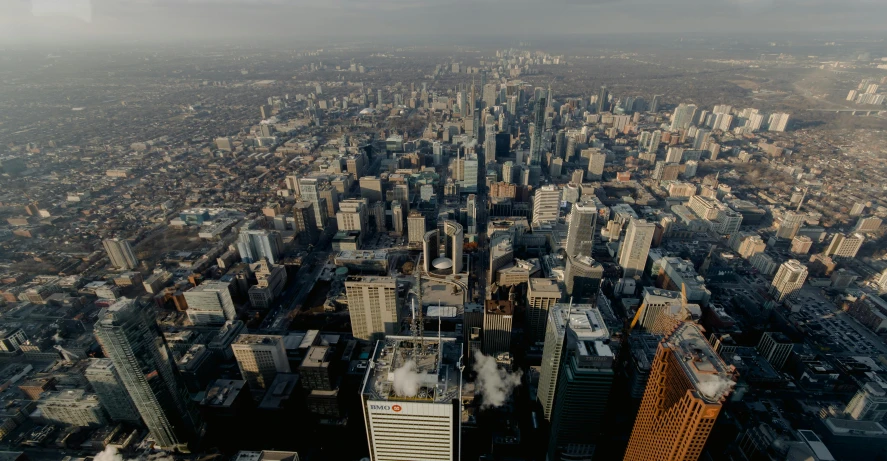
[
  {"x": 407, "y": 380},
  {"x": 109, "y": 454},
  {"x": 716, "y": 387},
  {"x": 494, "y": 383},
  {"x": 57, "y": 337}
]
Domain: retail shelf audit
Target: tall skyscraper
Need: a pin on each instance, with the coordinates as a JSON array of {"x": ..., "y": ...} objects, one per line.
[
  {"x": 789, "y": 278},
  {"x": 374, "y": 306},
  {"x": 790, "y": 224},
  {"x": 454, "y": 243},
  {"x": 353, "y": 215},
  {"x": 430, "y": 248},
  {"x": 541, "y": 296},
  {"x": 305, "y": 224},
  {"x": 539, "y": 128},
  {"x": 254, "y": 244},
  {"x": 580, "y": 233},
  {"x": 596, "y": 163},
  {"x": 411, "y": 398},
  {"x": 636, "y": 246},
  {"x": 844, "y": 247},
  {"x": 683, "y": 116},
  {"x": 311, "y": 190},
  {"x": 776, "y": 348},
  {"x": 489, "y": 95},
  {"x": 603, "y": 99},
  {"x": 120, "y": 254},
  {"x": 397, "y": 217},
  {"x": 498, "y": 322},
  {"x": 546, "y": 204},
  {"x": 415, "y": 227},
  {"x": 471, "y": 214},
  {"x": 106, "y": 383},
  {"x": 371, "y": 188},
  {"x": 654, "y": 104},
  {"x": 560, "y": 145},
  {"x": 582, "y": 277},
  {"x": 583, "y": 382},
  {"x": 210, "y": 303},
  {"x": 778, "y": 122},
  {"x": 655, "y": 139},
  {"x": 687, "y": 385},
  {"x": 586, "y": 319},
  {"x": 260, "y": 358},
  {"x": 131, "y": 338}
]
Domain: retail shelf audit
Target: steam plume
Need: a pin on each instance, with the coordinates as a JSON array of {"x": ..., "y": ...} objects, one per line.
[
  {"x": 406, "y": 380},
  {"x": 494, "y": 383}
]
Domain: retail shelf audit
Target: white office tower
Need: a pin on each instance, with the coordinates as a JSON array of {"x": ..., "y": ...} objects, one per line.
[
  {"x": 455, "y": 239},
  {"x": 789, "y": 279},
  {"x": 844, "y": 247},
  {"x": 674, "y": 155},
  {"x": 210, "y": 303},
  {"x": 790, "y": 224},
  {"x": 870, "y": 403},
  {"x": 254, "y": 245},
  {"x": 309, "y": 190},
  {"x": 580, "y": 233},
  {"x": 583, "y": 319},
  {"x": 661, "y": 310},
  {"x": 682, "y": 117},
  {"x": 596, "y": 163},
  {"x": 636, "y": 246},
  {"x": 411, "y": 398},
  {"x": 437, "y": 153},
  {"x": 353, "y": 216},
  {"x": 471, "y": 214},
  {"x": 508, "y": 172},
  {"x": 882, "y": 281},
  {"x": 655, "y": 139},
  {"x": 120, "y": 254},
  {"x": 397, "y": 217},
  {"x": 415, "y": 227},
  {"x": 542, "y": 295},
  {"x": 106, "y": 383},
  {"x": 754, "y": 122},
  {"x": 374, "y": 306},
  {"x": 546, "y": 205},
  {"x": 260, "y": 358},
  {"x": 778, "y": 122}
]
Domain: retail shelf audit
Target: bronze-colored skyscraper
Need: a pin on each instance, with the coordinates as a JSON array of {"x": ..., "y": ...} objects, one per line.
[{"x": 688, "y": 381}]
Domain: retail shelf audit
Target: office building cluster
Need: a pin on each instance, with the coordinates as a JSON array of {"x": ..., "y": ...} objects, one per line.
[{"x": 483, "y": 258}]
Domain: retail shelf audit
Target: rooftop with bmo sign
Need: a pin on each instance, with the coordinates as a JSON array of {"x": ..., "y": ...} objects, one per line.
[{"x": 411, "y": 398}]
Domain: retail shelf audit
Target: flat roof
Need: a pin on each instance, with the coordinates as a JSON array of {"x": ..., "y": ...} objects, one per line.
[
  {"x": 707, "y": 371},
  {"x": 280, "y": 391},
  {"x": 432, "y": 365},
  {"x": 223, "y": 392},
  {"x": 584, "y": 320}
]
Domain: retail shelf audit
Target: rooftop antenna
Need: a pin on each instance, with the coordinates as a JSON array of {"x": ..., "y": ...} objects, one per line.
[
  {"x": 439, "y": 340},
  {"x": 421, "y": 326}
]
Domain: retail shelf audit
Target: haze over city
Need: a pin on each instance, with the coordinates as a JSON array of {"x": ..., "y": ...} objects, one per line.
[{"x": 443, "y": 230}]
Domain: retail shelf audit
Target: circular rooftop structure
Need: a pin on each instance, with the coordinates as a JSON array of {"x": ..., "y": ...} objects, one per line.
[
  {"x": 342, "y": 271},
  {"x": 442, "y": 263}
]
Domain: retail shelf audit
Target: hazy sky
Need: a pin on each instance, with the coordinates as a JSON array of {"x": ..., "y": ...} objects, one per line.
[{"x": 60, "y": 21}]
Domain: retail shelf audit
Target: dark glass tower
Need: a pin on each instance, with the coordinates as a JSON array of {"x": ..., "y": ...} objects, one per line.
[{"x": 131, "y": 338}]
